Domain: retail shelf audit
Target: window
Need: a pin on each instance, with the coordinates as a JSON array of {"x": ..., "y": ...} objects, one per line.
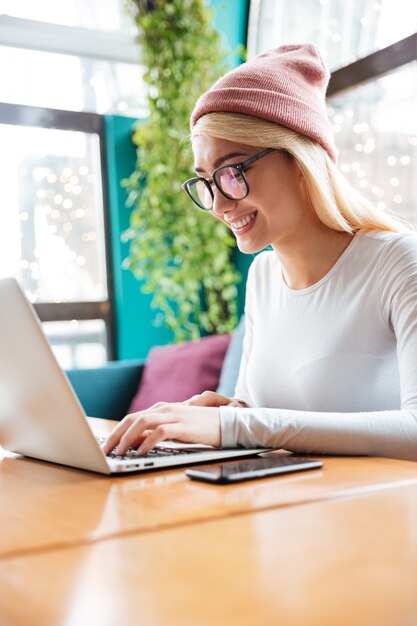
[
  {"x": 371, "y": 49},
  {"x": 52, "y": 226},
  {"x": 68, "y": 82},
  {"x": 78, "y": 55},
  {"x": 344, "y": 31},
  {"x": 376, "y": 132},
  {"x": 64, "y": 64},
  {"x": 105, "y": 15}
]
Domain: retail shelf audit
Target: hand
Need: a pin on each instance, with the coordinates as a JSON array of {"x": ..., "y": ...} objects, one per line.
[
  {"x": 143, "y": 430},
  {"x": 211, "y": 398}
]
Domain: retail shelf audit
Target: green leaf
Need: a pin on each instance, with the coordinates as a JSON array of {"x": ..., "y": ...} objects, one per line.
[{"x": 181, "y": 255}]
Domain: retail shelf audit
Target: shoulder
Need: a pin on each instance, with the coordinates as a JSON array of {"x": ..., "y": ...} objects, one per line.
[
  {"x": 397, "y": 269},
  {"x": 389, "y": 249},
  {"x": 387, "y": 242}
]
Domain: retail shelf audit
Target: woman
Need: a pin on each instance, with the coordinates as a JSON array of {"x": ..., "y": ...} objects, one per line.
[{"x": 329, "y": 361}]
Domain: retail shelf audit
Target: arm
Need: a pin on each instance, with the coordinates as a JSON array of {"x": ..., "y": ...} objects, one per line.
[
  {"x": 390, "y": 433},
  {"x": 196, "y": 420},
  {"x": 378, "y": 433}
]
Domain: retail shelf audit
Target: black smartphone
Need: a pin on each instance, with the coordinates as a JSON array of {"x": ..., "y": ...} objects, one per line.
[{"x": 266, "y": 464}]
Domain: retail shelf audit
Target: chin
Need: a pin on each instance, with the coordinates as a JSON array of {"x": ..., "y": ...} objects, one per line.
[{"x": 250, "y": 247}]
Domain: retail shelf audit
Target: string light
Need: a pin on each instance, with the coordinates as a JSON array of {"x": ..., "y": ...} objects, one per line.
[
  {"x": 63, "y": 225},
  {"x": 342, "y": 119}
]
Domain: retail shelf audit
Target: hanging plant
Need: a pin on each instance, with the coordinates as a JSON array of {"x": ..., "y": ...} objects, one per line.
[{"x": 182, "y": 254}]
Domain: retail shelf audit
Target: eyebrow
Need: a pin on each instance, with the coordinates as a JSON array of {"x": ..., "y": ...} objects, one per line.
[{"x": 221, "y": 159}]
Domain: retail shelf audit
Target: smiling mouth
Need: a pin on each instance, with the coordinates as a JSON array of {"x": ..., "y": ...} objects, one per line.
[{"x": 243, "y": 222}]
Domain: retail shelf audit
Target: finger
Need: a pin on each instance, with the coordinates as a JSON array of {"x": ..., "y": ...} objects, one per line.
[
  {"x": 138, "y": 427},
  {"x": 114, "y": 437},
  {"x": 137, "y": 442},
  {"x": 193, "y": 399},
  {"x": 161, "y": 405},
  {"x": 208, "y": 398},
  {"x": 162, "y": 433},
  {"x": 118, "y": 432}
]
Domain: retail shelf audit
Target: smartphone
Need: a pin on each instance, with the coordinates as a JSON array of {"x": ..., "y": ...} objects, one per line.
[{"x": 266, "y": 464}]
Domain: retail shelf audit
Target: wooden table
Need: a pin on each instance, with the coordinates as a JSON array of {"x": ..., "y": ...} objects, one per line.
[
  {"x": 342, "y": 562},
  {"x": 333, "y": 546},
  {"x": 49, "y": 506}
]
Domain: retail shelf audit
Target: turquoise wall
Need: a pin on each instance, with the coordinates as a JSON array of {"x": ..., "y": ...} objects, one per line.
[
  {"x": 135, "y": 332},
  {"x": 231, "y": 21}
]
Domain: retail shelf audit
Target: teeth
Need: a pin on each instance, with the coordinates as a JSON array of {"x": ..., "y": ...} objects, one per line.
[{"x": 243, "y": 221}]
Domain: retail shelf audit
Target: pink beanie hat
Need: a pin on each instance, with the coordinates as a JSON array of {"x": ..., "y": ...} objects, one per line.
[{"x": 286, "y": 85}]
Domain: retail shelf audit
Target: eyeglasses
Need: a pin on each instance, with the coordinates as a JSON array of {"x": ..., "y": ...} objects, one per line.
[{"x": 230, "y": 180}]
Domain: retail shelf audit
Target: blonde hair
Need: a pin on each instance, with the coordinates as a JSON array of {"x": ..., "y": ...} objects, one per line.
[{"x": 336, "y": 203}]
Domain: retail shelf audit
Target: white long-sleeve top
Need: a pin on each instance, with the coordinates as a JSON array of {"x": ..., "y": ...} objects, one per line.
[{"x": 332, "y": 368}]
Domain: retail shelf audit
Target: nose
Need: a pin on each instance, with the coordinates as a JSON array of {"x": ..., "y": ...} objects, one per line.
[{"x": 221, "y": 204}]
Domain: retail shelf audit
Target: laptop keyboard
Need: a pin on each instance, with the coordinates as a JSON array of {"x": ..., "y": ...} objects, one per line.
[{"x": 158, "y": 452}]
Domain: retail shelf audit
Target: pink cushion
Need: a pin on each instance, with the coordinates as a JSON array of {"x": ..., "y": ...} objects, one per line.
[{"x": 175, "y": 372}]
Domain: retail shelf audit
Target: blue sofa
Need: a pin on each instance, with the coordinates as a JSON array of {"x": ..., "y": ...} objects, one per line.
[{"x": 108, "y": 391}]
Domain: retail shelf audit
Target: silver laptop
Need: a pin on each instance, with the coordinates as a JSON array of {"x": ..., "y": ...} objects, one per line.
[{"x": 40, "y": 415}]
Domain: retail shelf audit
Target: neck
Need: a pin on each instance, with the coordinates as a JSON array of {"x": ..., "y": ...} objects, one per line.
[{"x": 310, "y": 255}]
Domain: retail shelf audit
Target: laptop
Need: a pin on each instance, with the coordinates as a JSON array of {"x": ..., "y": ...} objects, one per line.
[{"x": 41, "y": 416}]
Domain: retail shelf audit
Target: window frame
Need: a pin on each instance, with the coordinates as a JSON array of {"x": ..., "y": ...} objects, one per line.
[
  {"x": 80, "y": 41},
  {"x": 93, "y": 123},
  {"x": 373, "y": 66}
]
